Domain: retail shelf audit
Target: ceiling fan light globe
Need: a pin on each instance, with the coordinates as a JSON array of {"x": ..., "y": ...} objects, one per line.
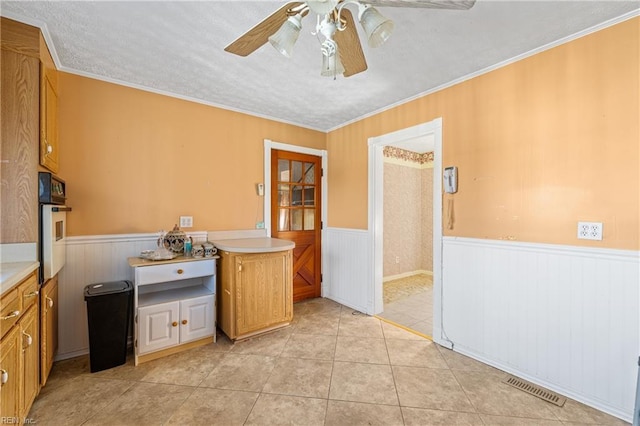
[
  {"x": 331, "y": 66},
  {"x": 377, "y": 27},
  {"x": 287, "y": 35}
]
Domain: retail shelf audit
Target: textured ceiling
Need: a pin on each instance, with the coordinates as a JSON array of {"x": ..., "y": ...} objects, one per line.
[{"x": 176, "y": 47}]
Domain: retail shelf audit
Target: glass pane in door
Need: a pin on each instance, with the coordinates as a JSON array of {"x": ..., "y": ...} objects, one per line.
[
  {"x": 283, "y": 219},
  {"x": 284, "y": 198},
  {"x": 297, "y": 171},
  {"x": 296, "y": 220},
  {"x": 296, "y": 195},
  {"x": 309, "y": 219},
  {"x": 309, "y": 196},
  {"x": 283, "y": 170},
  {"x": 309, "y": 173}
]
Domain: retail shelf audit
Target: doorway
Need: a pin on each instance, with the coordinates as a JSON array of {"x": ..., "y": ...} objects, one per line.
[
  {"x": 295, "y": 215},
  {"x": 376, "y": 215},
  {"x": 407, "y": 234},
  {"x": 307, "y": 266}
]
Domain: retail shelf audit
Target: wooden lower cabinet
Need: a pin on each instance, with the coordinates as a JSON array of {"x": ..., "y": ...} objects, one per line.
[
  {"x": 19, "y": 351},
  {"x": 255, "y": 293},
  {"x": 30, "y": 359},
  {"x": 48, "y": 327},
  {"x": 10, "y": 380}
]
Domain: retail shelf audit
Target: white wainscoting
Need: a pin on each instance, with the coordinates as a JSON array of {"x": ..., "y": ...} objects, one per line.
[
  {"x": 89, "y": 260},
  {"x": 567, "y": 318},
  {"x": 347, "y": 274}
]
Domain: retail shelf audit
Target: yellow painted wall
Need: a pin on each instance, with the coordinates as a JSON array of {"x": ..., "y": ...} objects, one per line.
[
  {"x": 135, "y": 161},
  {"x": 540, "y": 144}
]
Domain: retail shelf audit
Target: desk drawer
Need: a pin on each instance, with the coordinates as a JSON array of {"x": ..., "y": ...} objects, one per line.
[{"x": 174, "y": 271}]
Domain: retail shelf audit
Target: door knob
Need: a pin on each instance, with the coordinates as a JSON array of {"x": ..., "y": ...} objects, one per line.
[
  {"x": 184, "y": 322},
  {"x": 174, "y": 324}
]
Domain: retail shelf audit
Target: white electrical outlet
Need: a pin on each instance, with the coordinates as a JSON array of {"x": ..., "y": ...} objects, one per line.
[
  {"x": 397, "y": 259},
  {"x": 590, "y": 231},
  {"x": 186, "y": 221}
]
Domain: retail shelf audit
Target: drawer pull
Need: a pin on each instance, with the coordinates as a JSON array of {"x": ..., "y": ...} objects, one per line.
[
  {"x": 49, "y": 301},
  {"x": 29, "y": 338},
  {"x": 4, "y": 377},
  {"x": 180, "y": 271},
  {"x": 174, "y": 324},
  {"x": 11, "y": 315},
  {"x": 32, "y": 294},
  {"x": 184, "y": 322}
]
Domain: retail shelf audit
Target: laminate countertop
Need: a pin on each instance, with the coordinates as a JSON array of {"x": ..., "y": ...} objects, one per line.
[
  {"x": 11, "y": 273},
  {"x": 254, "y": 245}
]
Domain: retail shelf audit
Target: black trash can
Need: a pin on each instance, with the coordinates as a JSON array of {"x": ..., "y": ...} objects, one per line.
[{"x": 109, "y": 308}]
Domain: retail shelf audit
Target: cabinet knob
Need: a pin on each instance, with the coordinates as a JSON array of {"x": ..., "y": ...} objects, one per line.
[
  {"x": 184, "y": 322},
  {"x": 180, "y": 271},
  {"x": 28, "y": 337},
  {"x": 32, "y": 294},
  {"x": 49, "y": 301},
  {"x": 11, "y": 315},
  {"x": 4, "y": 376},
  {"x": 174, "y": 324}
]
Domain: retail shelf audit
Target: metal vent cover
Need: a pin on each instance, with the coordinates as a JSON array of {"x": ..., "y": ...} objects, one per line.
[{"x": 535, "y": 390}]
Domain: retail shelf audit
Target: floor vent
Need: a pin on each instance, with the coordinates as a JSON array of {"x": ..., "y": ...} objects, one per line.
[{"x": 535, "y": 390}]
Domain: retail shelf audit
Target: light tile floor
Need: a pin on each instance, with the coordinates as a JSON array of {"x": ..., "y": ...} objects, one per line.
[
  {"x": 409, "y": 303},
  {"x": 333, "y": 366}
]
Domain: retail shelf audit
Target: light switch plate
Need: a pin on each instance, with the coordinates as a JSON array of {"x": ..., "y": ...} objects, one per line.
[
  {"x": 590, "y": 231},
  {"x": 186, "y": 221}
]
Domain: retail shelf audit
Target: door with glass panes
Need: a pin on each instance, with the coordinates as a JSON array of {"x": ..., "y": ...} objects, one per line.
[{"x": 295, "y": 215}]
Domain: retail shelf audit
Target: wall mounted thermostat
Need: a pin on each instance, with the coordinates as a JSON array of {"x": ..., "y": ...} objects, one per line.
[
  {"x": 450, "y": 178},
  {"x": 260, "y": 189}
]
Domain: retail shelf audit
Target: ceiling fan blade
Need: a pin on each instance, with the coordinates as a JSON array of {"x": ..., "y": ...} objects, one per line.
[
  {"x": 259, "y": 35},
  {"x": 433, "y": 4},
  {"x": 349, "y": 47}
]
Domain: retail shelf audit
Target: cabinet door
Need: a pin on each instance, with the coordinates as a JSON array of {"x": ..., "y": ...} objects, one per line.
[
  {"x": 10, "y": 380},
  {"x": 263, "y": 296},
  {"x": 48, "y": 327},
  {"x": 196, "y": 318},
  {"x": 30, "y": 358},
  {"x": 48, "y": 120},
  {"x": 158, "y": 326}
]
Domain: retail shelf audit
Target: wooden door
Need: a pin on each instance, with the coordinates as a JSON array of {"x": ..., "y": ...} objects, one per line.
[
  {"x": 296, "y": 216},
  {"x": 48, "y": 327},
  {"x": 30, "y": 359},
  {"x": 10, "y": 380},
  {"x": 262, "y": 295}
]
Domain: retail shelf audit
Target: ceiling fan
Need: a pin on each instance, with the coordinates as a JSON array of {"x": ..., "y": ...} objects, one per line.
[{"x": 335, "y": 28}]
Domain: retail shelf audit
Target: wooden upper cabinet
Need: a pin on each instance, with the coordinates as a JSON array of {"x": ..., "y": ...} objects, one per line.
[{"x": 48, "y": 118}]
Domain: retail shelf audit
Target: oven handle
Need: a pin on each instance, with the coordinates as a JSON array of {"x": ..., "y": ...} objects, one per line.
[{"x": 60, "y": 209}]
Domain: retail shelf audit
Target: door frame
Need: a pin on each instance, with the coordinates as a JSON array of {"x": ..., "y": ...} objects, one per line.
[
  {"x": 376, "y": 210},
  {"x": 268, "y": 146}
]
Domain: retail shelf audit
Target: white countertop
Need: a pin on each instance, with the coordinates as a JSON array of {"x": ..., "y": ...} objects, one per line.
[
  {"x": 254, "y": 245},
  {"x": 11, "y": 273}
]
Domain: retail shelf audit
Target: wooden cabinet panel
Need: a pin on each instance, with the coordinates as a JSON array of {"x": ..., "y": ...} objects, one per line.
[
  {"x": 48, "y": 327},
  {"x": 255, "y": 292},
  {"x": 10, "y": 379},
  {"x": 48, "y": 119},
  {"x": 19, "y": 124},
  {"x": 261, "y": 297},
  {"x": 30, "y": 359}
]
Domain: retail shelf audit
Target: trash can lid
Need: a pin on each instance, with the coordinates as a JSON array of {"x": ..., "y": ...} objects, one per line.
[{"x": 107, "y": 288}]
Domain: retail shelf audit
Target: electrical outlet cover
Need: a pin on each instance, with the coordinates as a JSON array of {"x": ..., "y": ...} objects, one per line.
[
  {"x": 590, "y": 231},
  {"x": 186, "y": 221}
]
